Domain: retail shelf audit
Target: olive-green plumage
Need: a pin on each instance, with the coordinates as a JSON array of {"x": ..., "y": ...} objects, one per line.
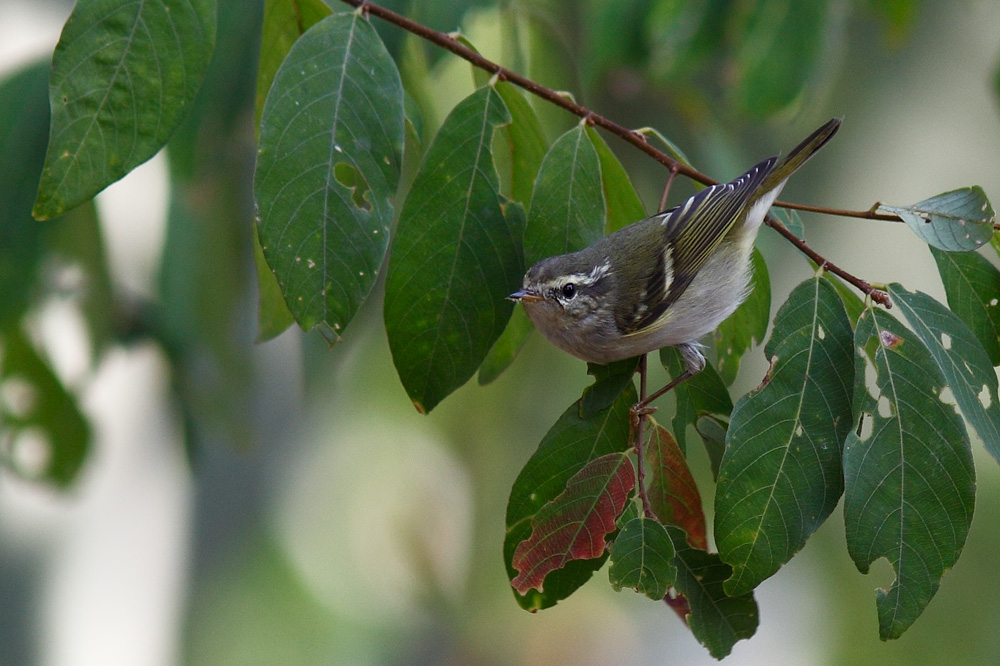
[{"x": 663, "y": 281}]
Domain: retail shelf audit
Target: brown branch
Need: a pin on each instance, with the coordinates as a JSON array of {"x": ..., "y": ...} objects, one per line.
[
  {"x": 632, "y": 137},
  {"x": 877, "y": 295}
]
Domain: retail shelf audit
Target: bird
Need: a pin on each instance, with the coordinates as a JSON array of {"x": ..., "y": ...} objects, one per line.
[{"x": 666, "y": 280}]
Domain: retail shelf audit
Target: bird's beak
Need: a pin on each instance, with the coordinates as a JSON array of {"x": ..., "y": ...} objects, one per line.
[{"x": 525, "y": 296}]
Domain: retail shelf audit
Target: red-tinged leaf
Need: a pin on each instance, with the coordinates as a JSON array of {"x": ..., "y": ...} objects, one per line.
[
  {"x": 673, "y": 494},
  {"x": 573, "y": 526}
]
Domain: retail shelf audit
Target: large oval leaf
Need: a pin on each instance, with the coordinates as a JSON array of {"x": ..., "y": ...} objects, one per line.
[
  {"x": 780, "y": 476},
  {"x": 331, "y": 144},
  {"x": 123, "y": 75},
  {"x": 909, "y": 479},
  {"x": 455, "y": 257},
  {"x": 570, "y": 444},
  {"x": 567, "y": 208}
]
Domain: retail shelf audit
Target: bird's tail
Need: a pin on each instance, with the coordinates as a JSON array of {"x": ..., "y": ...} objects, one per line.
[{"x": 800, "y": 154}]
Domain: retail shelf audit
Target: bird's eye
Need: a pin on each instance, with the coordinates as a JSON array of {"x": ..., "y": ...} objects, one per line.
[{"x": 569, "y": 290}]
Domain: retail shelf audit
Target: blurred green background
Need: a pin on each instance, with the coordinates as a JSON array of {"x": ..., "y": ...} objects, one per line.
[{"x": 283, "y": 503}]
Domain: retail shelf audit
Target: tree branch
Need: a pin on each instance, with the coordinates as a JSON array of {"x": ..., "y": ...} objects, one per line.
[{"x": 632, "y": 137}]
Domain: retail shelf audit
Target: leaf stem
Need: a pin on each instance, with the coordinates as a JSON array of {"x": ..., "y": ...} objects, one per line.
[
  {"x": 633, "y": 137},
  {"x": 638, "y": 420}
]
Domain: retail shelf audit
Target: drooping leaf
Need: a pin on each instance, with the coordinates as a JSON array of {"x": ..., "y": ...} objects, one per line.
[
  {"x": 972, "y": 285},
  {"x": 673, "y": 494},
  {"x": 609, "y": 382},
  {"x": 331, "y": 145},
  {"x": 284, "y": 22},
  {"x": 455, "y": 257},
  {"x": 123, "y": 75},
  {"x": 713, "y": 435},
  {"x": 716, "y": 619},
  {"x": 567, "y": 207},
  {"x": 781, "y": 48},
  {"x": 704, "y": 394},
  {"x": 642, "y": 558},
  {"x": 956, "y": 221},
  {"x": 623, "y": 204},
  {"x": 526, "y": 142},
  {"x": 960, "y": 358},
  {"x": 909, "y": 479},
  {"x": 566, "y": 448},
  {"x": 747, "y": 326},
  {"x": 575, "y": 524},
  {"x": 780, "y": 475},
  {"x": 37, "y": 411},
  {"x": 24, "y": 112}
]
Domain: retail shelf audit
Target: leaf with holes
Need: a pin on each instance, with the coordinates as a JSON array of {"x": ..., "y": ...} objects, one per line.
[
  {"x": 962, "y": 361},
  {"x": 956, "y": 221},
  {"x": 972, "y": 285},
  {"x": 780, "y": 475},
  {"x": 747, "y": 326},
  {"x": 284, "y": 23},
  {"x": 123, "y": 74},
  {"x": 671, "y": 489},
  {"x": 569, "y": 444},
  {"x": 908, "y": 474},
  {"x": 716, "y": 619},
  {"x": 331, "y": 143},
  {"x": 642, "y": 558},
  {"x": 37, "y": 412},
  {"x": 623, "y": 204},
  {"x": 575, "y": 524},
  {"x": 567, "y": 207},
  {"x": 704, "y": 394},
  {"x": 454, "y": 259}
]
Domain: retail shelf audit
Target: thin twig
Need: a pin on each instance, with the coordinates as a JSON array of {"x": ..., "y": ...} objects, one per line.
[
  {"x": 640, "y": 420},
  {"x": 632, "y": 137},
  {"x": 864, "y": 287}
]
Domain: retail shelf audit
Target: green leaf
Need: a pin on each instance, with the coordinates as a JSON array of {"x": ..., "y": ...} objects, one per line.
[
  {"x": 566, "y": 448},
  {"x": 567, "y": 207},
  {"x": 972, "y": 285},
  {"x": 716, "y": 619},
  {"x": 284, "y": 22},
  {"x": 526, "y": 142},
  {"x": 705, "y": 394},
  {"x": 956, "y": 221},
  {"x": 672, "y": 492},
  {"x": 781, "y": 48},
  {"x": 574, "y": 524},
  {"x": 791, "y": 219},
  {"x": 454, "y": 259},
  {"x": 909, "y": 477},
  {"x": 642, "y": 558},
  {"x": 273, "y": 315},
  {"x": 747, "y": 326},
  {"x": 623, "y": 204},
  {"x": 960, "y": 358},
  {"x": 609, "y": 382},
  {"x": 39, "y": 419},
  {"x": 780, "y": 476},
  {"x": 505, "y": 349},
  {"x": 123, "y": 75},
  {"x": 24, "y": 106},
  {"x": 331, "y": 143}
]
